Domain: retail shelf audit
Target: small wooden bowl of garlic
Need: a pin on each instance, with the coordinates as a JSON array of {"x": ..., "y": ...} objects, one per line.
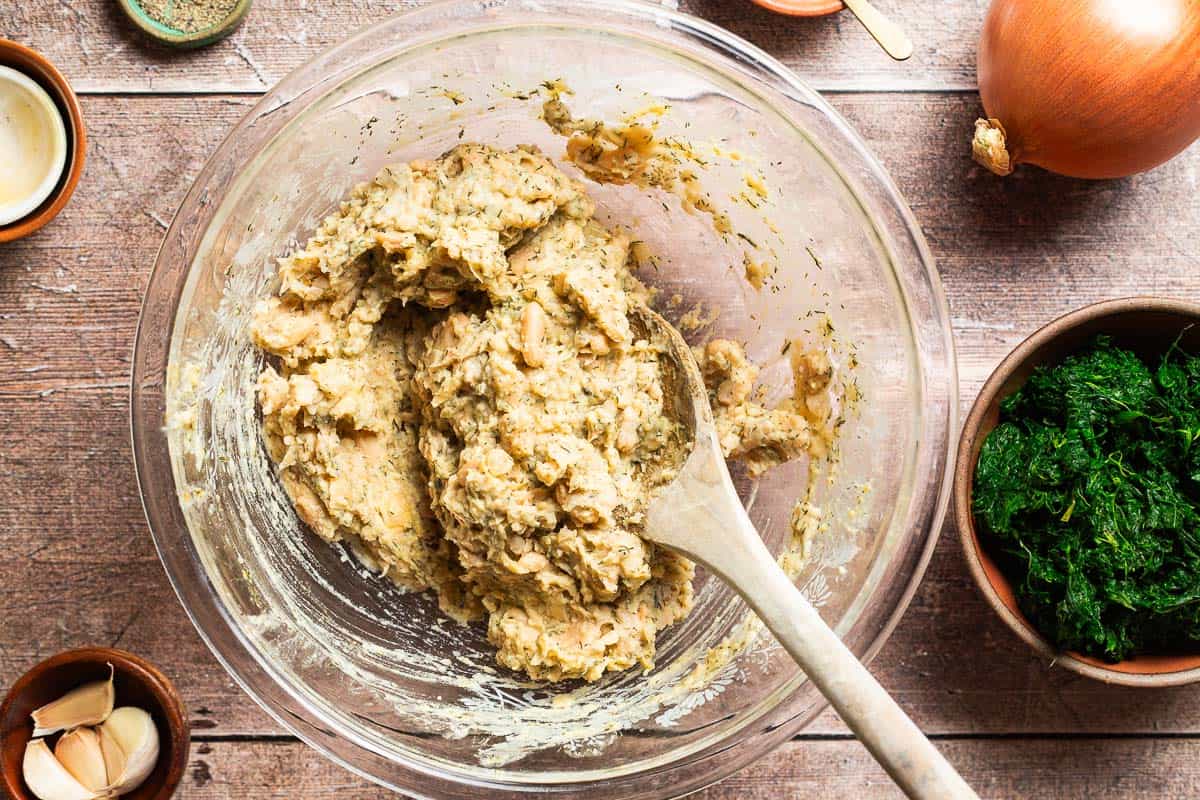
[{"x": 93, "y": 723}]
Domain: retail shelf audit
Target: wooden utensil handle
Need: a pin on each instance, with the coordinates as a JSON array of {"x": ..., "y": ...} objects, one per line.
[
  {"x": 866, "y": 708},
  {"x": 890, "y": 36}
]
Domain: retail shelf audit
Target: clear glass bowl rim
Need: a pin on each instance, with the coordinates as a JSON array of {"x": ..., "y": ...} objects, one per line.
[{"x": 919, "y": 284}]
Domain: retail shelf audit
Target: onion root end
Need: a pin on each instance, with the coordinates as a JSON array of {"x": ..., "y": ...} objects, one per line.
[{"x": 990, "y": 146}]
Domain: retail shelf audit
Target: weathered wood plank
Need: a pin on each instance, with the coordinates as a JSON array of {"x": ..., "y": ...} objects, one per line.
[
  {"x": 1016, "y": 252},
  {"x": 101, "y": 51},
  {"x": 1098, "y": 769},
  {"x": 77, "y": 563}
]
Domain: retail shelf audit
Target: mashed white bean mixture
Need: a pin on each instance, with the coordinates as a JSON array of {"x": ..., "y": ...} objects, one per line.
[{"x": 456, "y": 391}]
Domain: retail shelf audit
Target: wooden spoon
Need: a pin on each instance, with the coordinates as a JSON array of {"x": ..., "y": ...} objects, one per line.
[
  {"x": 891, "y": 37},
  {"x": 699, "y": 514},
  {"x": 887, "y": 33}
]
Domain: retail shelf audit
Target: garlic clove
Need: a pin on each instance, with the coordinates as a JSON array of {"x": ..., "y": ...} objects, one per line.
[
  {"x": 134, "y": 732},
  {"x": 89, "y": 704},
  {"x": 114, "y": 756},
  {"x": 79, "y": 751},
  {"x": 47, "y": 778}
]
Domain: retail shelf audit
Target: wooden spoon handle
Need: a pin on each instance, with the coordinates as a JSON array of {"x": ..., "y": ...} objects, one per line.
[
  {"x": 890, "y": 36},
  {"x": 865, "y": 706}
]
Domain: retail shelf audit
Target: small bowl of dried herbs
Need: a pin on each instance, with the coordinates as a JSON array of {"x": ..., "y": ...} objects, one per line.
[
  {"x": 186, "y": 23},
  {"x": 1077, "y": 491}
]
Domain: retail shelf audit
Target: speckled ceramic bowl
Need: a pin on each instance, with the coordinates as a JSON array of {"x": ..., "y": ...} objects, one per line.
[
  {"x": 381, "y": 681},
  {"x": 176, "y": 37}
]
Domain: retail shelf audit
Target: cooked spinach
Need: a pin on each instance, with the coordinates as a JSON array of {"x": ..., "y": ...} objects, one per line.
[{"x": 1088, "y": 490}]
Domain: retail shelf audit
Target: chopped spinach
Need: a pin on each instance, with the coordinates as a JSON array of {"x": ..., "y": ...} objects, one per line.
[{"x": 1088, "y": 490}]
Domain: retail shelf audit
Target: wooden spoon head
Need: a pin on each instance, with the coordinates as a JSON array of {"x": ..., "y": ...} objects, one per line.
[
  {"x": 698, "y": 513},
  {"x": 682, "y": 382}
]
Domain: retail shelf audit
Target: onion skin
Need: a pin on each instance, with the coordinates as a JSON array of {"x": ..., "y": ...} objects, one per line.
[{"x": 1089, "y": 88}]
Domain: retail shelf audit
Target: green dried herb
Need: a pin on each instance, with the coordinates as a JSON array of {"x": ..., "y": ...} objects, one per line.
[
  {"x": 1089, "y": 491},
  {"x": 189, "y": 16}
]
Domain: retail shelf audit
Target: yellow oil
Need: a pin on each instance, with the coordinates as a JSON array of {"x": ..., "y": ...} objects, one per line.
[{"x": 26, "y": 143}]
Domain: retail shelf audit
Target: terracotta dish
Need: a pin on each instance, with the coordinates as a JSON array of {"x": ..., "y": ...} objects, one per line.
[
  {"x": 35, "y": 65},
  {"x": 137, "y": 683},
  {"x": 1146, "y": 325},
  {"x": 802, "y": 8}
]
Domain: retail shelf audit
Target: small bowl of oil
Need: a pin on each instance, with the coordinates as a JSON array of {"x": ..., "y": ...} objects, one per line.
[{"x": 42, "y": 141}]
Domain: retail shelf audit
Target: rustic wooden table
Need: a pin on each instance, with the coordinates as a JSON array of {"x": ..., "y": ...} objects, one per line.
[{"x": 76, "y": 562}]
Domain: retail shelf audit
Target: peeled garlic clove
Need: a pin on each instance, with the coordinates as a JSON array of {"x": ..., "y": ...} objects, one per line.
[
  {"x": 89, "y": 704},
  {"x": 114, "y": 756},
  {"x": 47, "y": 778},
  {"x": 133, "y": 731},
  {"x": 79, "y": 751}
]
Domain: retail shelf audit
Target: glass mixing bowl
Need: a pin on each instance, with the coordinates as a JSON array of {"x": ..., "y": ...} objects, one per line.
[{"x": 378, "y": 680}]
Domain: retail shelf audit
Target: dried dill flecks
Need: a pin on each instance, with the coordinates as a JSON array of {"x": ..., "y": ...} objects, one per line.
[
  {"x": 189, "y": 16},
  {"x": 1089, "y": 491}
]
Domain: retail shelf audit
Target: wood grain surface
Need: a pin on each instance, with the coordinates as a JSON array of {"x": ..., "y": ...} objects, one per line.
[
  {"x": 77, "y": 565},
  {"x": 831, "y": 769},
  {"x": 96, "y": 46}
]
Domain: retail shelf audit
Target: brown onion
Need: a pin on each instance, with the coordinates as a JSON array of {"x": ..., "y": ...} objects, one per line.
[{"x": 1088, "y": 88}]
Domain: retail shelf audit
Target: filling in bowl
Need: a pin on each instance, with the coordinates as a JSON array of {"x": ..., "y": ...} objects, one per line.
[
  {"x": 776, "y": 230},
  {"x": 459, "y": 394}
]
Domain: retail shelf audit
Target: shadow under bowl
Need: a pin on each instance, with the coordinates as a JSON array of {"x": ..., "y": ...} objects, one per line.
[
  {"x": 46, "y": 75},
  {"x": 136, "y": 682},
  {"x": 1148, "y": 326}
]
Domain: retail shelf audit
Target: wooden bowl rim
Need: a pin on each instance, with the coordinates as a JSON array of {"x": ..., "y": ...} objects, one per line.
[
  {"x": 1141, "y": 671},
  {"x": 60, "y": 89},
  {"x": 151, "y": 676},
  {"x": 802, "y": 8}
]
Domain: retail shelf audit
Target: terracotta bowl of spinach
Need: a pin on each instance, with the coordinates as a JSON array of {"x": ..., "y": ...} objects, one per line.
[{"x": 1077, "y": 491}]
